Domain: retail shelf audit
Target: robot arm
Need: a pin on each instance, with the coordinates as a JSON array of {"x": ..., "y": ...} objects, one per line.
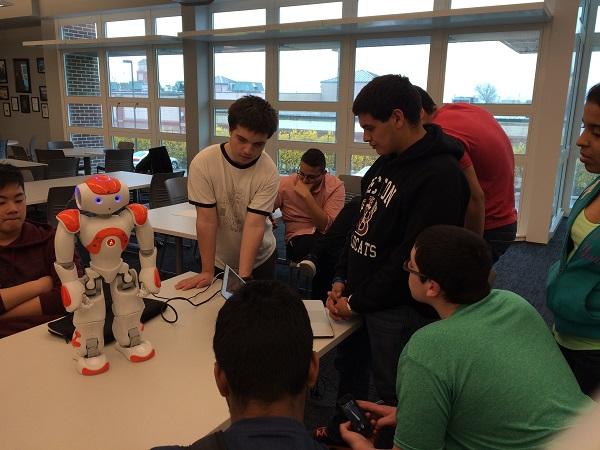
[
  {"x": 149, "y": 276},
  {"x": 72, "y": 290}
]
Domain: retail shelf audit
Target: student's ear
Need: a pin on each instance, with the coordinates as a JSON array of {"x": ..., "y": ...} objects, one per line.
[
  {"x": 221, "y": 380},
  {"x": 433, "y": 289},
  {"x": 313, "y": 370},
  {"x": 398, "y": 118}
]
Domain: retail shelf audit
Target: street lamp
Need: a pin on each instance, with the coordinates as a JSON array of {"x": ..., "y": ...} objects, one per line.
[{"x": 130, "y": 62}]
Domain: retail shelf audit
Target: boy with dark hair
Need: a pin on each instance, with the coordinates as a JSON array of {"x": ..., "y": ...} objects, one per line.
[
  {"x": 309, "y": 200},
  {"x": 264, "y": 366},
  {"x": 29, "y": 286},
  {"x": 488, "y": 165},
  {"x": 233, "y": 186},
  {"x": 415, "y": 183},
  {"x": 488, "y": 375}
]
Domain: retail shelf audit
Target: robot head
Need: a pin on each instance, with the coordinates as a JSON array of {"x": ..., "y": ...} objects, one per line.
[{"x": 101, "y": 194}]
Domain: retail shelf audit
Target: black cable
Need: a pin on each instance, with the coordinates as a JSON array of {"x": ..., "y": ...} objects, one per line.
[{"x": 187, "y": 299}]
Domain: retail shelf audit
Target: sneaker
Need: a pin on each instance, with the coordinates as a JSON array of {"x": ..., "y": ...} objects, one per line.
[{"x": 307, "y": 267}]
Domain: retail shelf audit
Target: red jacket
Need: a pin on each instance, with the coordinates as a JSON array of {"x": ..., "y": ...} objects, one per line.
[{"x": 29, "y": 257}]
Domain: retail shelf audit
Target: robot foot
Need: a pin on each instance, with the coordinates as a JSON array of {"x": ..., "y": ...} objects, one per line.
[
  {"x": 92, "y": 366},
  {"x": 138, "y": 353}
]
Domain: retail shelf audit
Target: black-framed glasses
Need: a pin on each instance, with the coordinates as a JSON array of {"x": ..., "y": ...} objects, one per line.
[
  {"x": 421, "y": 276},
  {"x": 309, "y": 177}
]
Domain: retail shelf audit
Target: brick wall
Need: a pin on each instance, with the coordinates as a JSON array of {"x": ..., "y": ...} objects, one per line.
[
  {"x": 80, "y": 31},
  {"x": 82, "y": 74},
  {"x": 85, "y": 115},
  {"x": 87, "y": 140}
]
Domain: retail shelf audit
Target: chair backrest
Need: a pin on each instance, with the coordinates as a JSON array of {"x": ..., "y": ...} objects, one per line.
[
  {"x": 158, "y": 189},
  {"x": 177, "y": 189},
  {"x": 115, "y": 160},
  {"x": 27, "y": 175},
  {"x": 17, "y": 152},
  {"x": 156, "y": 161},
  {"x": 44, "y": 156},
  {"x": 61, "y": 168},
  {"x": 57, "y": 145},
  {"x": 351, "y": 183},
  {"x": 3, "y": 148},
  {"x": 59, "y": 198},
  {"x": 125, "y": 145}
]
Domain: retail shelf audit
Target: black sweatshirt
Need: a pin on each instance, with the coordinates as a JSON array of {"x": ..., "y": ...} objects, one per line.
[{"x": 402, "y": 195}]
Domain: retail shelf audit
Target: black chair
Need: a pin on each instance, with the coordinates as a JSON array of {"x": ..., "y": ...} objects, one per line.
[
  {"x": 59, "y": 199},
  {"x": 177, "y": 189},
  {"x": 27, "y": 175},
  {"x": 125, "y": 145},
  {"x": 3, "y": 143},
  {"x": 17, "y": 152},
  {"x": 57, "y": 145},
  {"x": 159, "y": 196},
  {"x": 115, "y": 160},
  {"x": 44, "y": 156},
  {"x": 156, "y": 161},
  {"x": 62, "y": 168}
]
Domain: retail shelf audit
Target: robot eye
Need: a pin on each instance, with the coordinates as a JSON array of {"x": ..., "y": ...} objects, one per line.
[
  {"x": 99, "y": 200},
  {"x": 117, "y": 198}
]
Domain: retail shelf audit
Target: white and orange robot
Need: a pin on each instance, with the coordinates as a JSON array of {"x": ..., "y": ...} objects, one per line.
[{"x": 104, "y": 231}]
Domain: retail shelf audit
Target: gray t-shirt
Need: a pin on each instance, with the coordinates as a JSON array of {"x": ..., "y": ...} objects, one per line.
[{"x": 214, "y": 180}]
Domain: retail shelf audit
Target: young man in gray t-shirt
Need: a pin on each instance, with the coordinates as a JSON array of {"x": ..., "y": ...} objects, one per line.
[{"x": 233, "y": 186}]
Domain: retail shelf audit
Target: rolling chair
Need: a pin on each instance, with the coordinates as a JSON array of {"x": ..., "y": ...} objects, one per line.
[
  {"x": 62, "y": 168},
  {"x": 115, "y": 160}
]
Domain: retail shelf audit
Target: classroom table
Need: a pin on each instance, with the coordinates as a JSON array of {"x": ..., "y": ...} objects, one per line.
[
  {"x": 169, "y": 399},
  {"x": 86, "y": 154},
  {"x": 175, "y": 220},
  {"x": 21, "y": 164},
  {"x": 37, "y": 191}
]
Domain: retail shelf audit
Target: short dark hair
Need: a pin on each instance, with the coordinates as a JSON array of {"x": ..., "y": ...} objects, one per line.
[
  {"x": 314, "y": 158},
  {"x": 263, "y": 342},
  {"x": 427, "y": 102},
  {"x": 593, "y": 95},
  {"x": 9, "y": 174},
  {"x": 382, "y": 95},
  {"x": 254, "y": 113},
  {"x": 457, "y": 259}
]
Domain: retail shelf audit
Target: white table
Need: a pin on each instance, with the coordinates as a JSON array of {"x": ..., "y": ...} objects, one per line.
[
  {"x": 37, "y": 191},
  {"x": 86, "y": 154},
  {"x": 21, "y": 164},
  {"x": 169, "y": 399},
  {"x": 175, "y": 220},
  {"x": 12, "y": 142}
]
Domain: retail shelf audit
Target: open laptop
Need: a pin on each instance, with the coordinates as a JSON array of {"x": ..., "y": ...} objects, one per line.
[{"x": 319, "y": 320}]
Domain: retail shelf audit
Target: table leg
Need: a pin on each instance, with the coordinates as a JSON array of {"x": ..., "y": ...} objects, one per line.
[
  {"x": 178, "y": 255},
  {"x": 87, "y": 165}
]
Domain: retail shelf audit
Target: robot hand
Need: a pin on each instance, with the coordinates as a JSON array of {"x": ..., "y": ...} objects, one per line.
[
  {"x": 73, "y": 295},
  {"x": 149, "y": 281}
]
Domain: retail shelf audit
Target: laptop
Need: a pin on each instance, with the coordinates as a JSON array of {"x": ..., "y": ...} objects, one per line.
[{"x": 319, "y": 320}]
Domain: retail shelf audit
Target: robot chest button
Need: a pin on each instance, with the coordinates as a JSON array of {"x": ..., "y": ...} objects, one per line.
[{"x": 111, "y": 242}]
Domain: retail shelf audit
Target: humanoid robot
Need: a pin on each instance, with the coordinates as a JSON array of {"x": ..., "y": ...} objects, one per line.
[{"x": 105, "y": 233}]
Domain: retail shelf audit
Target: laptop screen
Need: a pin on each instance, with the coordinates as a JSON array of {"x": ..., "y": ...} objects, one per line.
[{"x": 231, "y": 282}]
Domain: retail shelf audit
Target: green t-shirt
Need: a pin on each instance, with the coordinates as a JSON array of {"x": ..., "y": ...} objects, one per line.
[{"x": 488, "y": 377}]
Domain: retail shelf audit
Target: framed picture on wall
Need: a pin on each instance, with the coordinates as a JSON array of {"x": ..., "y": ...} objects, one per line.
[
  {"x": 41, "y": 66},
  {"x": 25, "y": 105},
  {"x": 6, "y": 107},
  {"x": 43, "y": 94},
  {"x": 35, "y": 104},
  {"x": 22, "y": 75},
  {"x": 45, "y": 113},
  {"x": 3, "y": 71},
  {"x": 4, "y": 93},
  {"x": 14, "y": 101}
]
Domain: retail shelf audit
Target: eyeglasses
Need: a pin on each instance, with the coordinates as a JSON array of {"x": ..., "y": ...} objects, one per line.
[
  {"x": 421, "y": 276},
  {"x": 308, "y": 177}
]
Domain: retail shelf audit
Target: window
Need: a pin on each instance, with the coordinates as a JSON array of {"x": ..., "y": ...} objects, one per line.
[
  {"x": 87, "y": 140},
  {"x": 320, "y": 83},
  {"x": 306, "y": 13},
  {"x": 177, "y": 152},
  {"x": 125, "y": 28},
  {"x": 380, "y": 7},
  {"x": 170, "y": 73},
  {"x": 307, "y": 126},
  {"x": 172, "y": 119},
  {"x": 128, "y": 74},
  {"x": 139, "y": 144},
  {"x": 236, "y": 19},
  {"x": 221, "y": 124},
  {"x": 491, "y": 68},
  {"x": 477, "y": 3},
  {"x": 408, "y": 57},
  {"x": 517, "y": 128},
  {"x": 359, "y": 164},
  {"x": 85, "y": 115},
  {"x": 82, "y": 74},
  {"x": 239, "y": 71},
  {"x": 518, "y": 182},
  {"x": 135, "y": 117},
  {"x": 168, "y": 26},
  {"x": 79, "y": 31},
  {"x": 288, "y": 161}
]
